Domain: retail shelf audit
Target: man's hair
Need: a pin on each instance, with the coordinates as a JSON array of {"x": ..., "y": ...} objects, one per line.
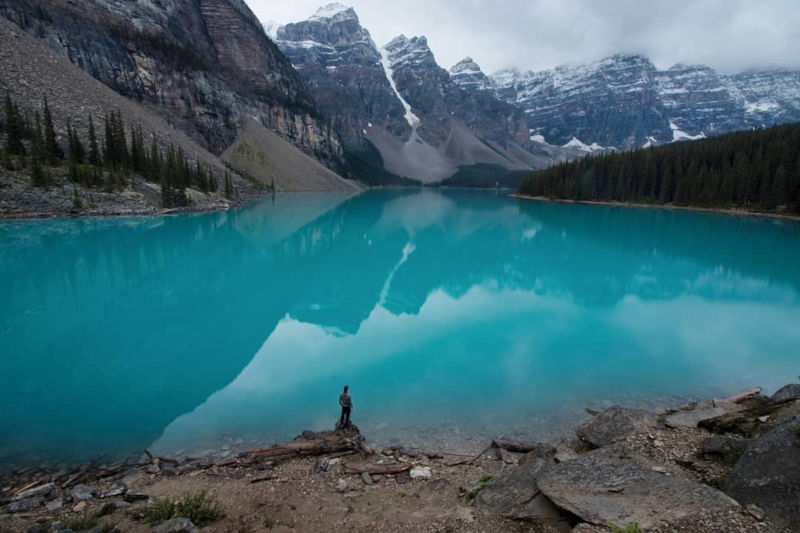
[{"x": 345, "y": 388}]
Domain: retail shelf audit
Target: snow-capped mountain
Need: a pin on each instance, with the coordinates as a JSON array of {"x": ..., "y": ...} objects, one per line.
[
  {"x": 469, "y": 75},
  {"x": 396, "y": 107},
  {"x": 624, "y": 101}
]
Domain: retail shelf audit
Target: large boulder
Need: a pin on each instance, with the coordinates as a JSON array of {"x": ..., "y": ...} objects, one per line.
[
  {"x": 787, "y": 392},
  {"x": 723, "y": 448},
  {"x": 768, "y": 474},
  {"x": 602, "y": 490},
  {"x": 613, "y": 424},
  {"x": 690, "y": 419},
  {"x": 754, "y": 420},
  {"x": 517, "y": 495}
]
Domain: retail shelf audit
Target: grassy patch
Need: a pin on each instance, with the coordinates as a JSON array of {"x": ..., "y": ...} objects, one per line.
[
  {"x": 200, "y": 508},
  {"x": 268, "y": 523},
  {"x": 633, "y": 527},
  {"x": 691, "y": 406},
  {"x": 83, "y": 522},
  {"x": 472, "y": 489}
]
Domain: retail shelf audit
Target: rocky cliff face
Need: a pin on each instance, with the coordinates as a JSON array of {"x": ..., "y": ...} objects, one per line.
[
  {"x": 342, "y": 66},
  {"x": 398, "y": 102},
  {"x": 435, "y": 97},
  {"x": 613, "y": 102},
  {"x": 204, "y": 64},
  {"x": 625, "y": 102},
  {"x": 468, "y": 75}
]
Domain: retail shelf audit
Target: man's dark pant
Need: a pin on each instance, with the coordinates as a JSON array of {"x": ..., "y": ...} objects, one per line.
[{"x": 344, "y": 420}]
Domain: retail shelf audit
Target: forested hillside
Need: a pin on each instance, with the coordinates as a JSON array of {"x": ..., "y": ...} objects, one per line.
[{"x": 756, "y": 170}]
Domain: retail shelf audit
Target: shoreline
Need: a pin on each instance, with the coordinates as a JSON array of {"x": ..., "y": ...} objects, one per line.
[
  {"x": 329, "y": 477},
  {"x": 724, "y": 211}
]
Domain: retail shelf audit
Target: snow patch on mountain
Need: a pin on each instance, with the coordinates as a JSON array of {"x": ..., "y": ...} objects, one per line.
[
  {"x": 271, "y": 28},
  {"x": 331, "y": 11},
  {"x": 578, "y": 145},
  {"x": 411, "y": 118},
  {"x": 651, "y": 141},
  {"x": 678, "y": 135}
]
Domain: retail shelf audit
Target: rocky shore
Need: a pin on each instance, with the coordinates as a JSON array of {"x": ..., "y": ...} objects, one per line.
[
  {"x": 20, "y": 200},
  {"x": 728, "y": 465}
]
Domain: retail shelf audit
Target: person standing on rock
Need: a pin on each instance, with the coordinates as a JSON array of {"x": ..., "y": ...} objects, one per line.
[{"x": 347, "y": 404}]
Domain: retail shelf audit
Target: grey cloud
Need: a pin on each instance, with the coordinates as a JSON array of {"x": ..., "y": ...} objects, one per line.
[{"x": 729, "y": 35}]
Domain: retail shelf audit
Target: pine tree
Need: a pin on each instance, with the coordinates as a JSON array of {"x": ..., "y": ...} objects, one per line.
[
  {"x": 76, "y": 150},
  {"x": 76, "y": 200},
  {"x": 779, "y": 188},
  {"x": 94, "y": 151},
  {"x": 228, "y": 186},
  {"x": 154, "y": 163},
  {"x": 52, "y": 150},
  {"x": 14, "y": 128}
]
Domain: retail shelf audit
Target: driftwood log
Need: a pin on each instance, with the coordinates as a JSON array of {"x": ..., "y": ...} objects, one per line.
[
  {"x": 736, "y": 398},
  {"x": 374, "y": 468},
  {"x": 331, "y": 444}
]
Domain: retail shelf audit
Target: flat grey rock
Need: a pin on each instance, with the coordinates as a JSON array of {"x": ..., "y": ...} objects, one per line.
[
  {"x": 690, "y": 419},
  {"x": 514, "y": 495},
  {"x": 41, "y": 490},
  {"x": 600, "y": 490},
  {"x": 23, "y": 505},
  {"x": 83, "y": 492},
  {"x": 787, "y": 392},
  {"x": 176, "y": 525},
  {"x": 768, "y": 474},
  {"x": 613, "y": 424}
]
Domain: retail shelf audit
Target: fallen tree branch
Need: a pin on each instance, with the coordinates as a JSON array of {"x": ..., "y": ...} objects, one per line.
[
  {"x": 736, "y": 398},
  {"x": 475, "y": 458},
  {"x": 372, "y": 468}
]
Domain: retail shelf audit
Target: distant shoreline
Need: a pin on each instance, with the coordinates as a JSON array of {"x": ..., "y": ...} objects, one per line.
[{"x": 740, "y": 212}]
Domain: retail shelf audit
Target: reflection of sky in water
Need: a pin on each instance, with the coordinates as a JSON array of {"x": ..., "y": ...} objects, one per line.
[
  {"x": 449, "y": 313},
  {"x": 504, "y": 357}
]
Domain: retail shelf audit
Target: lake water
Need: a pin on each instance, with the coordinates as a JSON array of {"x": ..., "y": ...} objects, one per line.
[{"x": 454, "y": 316}]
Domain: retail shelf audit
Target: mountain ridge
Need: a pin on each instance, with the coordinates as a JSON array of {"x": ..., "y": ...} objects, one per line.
[
  {"x": 623, "y": 101},
  {"x": 395, "y": 106}
]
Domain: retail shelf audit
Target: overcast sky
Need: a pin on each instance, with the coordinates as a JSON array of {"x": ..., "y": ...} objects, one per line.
[{"x": 729, "y": 35}]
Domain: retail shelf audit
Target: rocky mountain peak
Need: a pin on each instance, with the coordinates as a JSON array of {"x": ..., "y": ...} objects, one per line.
[
  {"x": 333, "y": 25},
  {"x": 413, "y": 52},
  {"x": 335, "y": 12},
  {"x": 469, "y": 75},
  {"x": 465, "y": 65}
]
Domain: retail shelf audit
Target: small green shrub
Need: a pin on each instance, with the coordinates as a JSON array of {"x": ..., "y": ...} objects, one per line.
[
  {"x": 633, "y": 527},
  {"x": 472, "y": 489},
  {"x": 797, "y": 430},
  {"x": 691, "y": 406},
  {"x": 83, "y": 522},
  {"x": 268, "y": 523},
  {"x": 200, "y": 508}
]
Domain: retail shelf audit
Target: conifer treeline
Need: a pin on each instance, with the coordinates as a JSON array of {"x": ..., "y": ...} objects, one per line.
[
  {"x": 111, "y": 163},
  {"x": 756, "y": 170}
]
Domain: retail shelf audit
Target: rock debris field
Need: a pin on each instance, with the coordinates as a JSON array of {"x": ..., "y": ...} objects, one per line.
[{"x": 730, "y": 465}]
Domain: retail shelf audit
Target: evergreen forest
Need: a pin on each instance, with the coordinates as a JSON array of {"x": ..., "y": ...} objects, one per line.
[
  {"x": 109, "y": 156},
  {"x": 757, "y": 170}
]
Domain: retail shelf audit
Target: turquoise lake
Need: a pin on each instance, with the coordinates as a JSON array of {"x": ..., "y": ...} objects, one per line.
[{"x": 454, "y": 316}]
